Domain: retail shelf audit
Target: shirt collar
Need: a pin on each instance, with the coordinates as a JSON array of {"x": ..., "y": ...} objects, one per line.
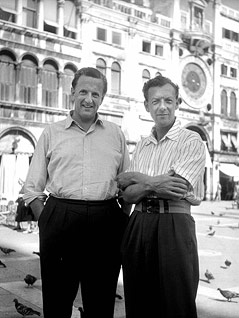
[
  {"x": 70, "y": 120},
  {"x": 172, "y": 134}
]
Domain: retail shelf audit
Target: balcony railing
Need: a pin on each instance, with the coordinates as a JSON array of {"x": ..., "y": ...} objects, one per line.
[{"x": 134, "y": 11}]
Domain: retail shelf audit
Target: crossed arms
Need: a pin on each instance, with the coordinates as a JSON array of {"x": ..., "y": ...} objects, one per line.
[{"x": 135, "y": 186}]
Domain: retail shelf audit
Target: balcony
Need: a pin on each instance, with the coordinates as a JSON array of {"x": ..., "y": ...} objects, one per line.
[{"x": 197, "y": 41}]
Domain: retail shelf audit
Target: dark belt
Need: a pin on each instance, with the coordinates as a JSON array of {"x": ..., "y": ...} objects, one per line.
[
  {"x": 83, "y": 202},
  {"x": 157, "y": 205}
]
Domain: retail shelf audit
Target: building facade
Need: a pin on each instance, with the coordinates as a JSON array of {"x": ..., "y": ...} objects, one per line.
[{"x": 194, "y": 42}]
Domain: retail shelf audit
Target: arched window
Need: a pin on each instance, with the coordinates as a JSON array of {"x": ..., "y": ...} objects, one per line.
[
  {"x": 224, "y": 102},
  {"x": 115, "y": 78},
  {"x": 145, "y": 76},
  {"x": 49, "y": 84},
  {"x": 68, "y": 76},
  {"x": 233, "y": 105},
  {"x": 101, "y": 66},
  {"x": 28, "y": 80},
  {"x": 7, "y": 77}
]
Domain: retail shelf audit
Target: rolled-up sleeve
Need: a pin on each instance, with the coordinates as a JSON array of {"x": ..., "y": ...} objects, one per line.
[{"x": 190, "y": 165}]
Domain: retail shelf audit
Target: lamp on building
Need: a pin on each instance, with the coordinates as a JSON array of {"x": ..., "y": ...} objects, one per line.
[
  {"x": 209, "y": 107},
  {"x": 209, "y": 61}
]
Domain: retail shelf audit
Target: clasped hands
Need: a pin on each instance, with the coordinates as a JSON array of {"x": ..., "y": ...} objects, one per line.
[{"x": 167, "y": 186}]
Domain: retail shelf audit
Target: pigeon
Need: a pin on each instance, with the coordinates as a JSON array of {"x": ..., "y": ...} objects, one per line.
[
  {"x": 82, "y": 313},
  {"x": 6, "y": 250},
  {"x": 2, "y": 264},
  {"x": 228, "y": 294},
  {"x": 211, "y": 233},
  {"x": 227, "y": 262},
  {"x": 118, "y": 296},
  {"x": 210, "y": 227},
  {"x": 24, "y": 310},
  {"x": 208, "y": 275},
  {"x": 37, "y": 253},
  {"x": 30, "y": 280},
  {"x": 212, "y": 213},
  {"x": 218, "y": 222}
]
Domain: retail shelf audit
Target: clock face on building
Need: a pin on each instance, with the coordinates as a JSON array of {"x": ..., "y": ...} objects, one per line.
[{"x": 194, "y": 80}]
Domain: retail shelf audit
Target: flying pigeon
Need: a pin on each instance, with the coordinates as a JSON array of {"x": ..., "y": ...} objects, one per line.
[
  {"x": 228, "y": 294},
  {"x": 208, "y": 275},
  {"x": 24, "y": 310},
  {"x": 2, "y": 264},
  {"x": 30, "y": 280},
  {"x": 227, "y": 262},
  {"x": 6, "y": 250}
]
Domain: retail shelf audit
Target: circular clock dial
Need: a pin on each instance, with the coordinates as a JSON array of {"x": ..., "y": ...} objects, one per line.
[{"x": 194, "y": 80}]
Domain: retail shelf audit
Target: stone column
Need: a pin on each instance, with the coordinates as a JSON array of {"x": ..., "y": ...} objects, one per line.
[
  {"x": 40, "y": 16},
  {"x": 60, "y": 21}
]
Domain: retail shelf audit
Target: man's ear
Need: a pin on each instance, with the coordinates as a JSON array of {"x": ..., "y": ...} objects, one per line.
[
  {"x": 72, "y": 94},
  {"x": 146, "y": 105},
  {"x": 178, "y": 102}
]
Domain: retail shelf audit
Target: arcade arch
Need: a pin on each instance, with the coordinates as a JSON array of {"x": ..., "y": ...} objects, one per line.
[{"x": 16, "y": 149}]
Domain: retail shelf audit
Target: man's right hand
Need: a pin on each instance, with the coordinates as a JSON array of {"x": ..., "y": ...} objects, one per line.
[{"x": 37, "y": 207}]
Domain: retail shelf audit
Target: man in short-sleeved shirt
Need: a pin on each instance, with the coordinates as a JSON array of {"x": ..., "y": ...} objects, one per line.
[{"x": 160, "y": 259}]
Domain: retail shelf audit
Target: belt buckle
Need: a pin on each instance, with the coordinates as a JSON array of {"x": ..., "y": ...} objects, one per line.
[{"x": 150, "y": 206}]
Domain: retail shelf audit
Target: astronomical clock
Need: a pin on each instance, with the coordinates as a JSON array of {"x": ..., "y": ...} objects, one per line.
[{"x": 196, "y": 82}]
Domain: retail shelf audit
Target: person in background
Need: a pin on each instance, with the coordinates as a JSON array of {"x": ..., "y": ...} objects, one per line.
[
  {"x": 82, "y": 221},
  {"x": 24, "y": 214},
  {"x": 159, "y": 248},
  {"x": 218, "y": 192}
]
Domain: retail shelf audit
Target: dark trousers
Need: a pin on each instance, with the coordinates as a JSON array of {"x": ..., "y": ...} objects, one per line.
[
  {"x": 80, "y": 243},
  {"x": 160, "y": 266}
]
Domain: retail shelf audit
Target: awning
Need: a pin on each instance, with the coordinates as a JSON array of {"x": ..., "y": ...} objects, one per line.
[
  {"x": 229, "y": 169},
  {"x": 234, "y": 141},
  {"x": 226, "y": 141}
]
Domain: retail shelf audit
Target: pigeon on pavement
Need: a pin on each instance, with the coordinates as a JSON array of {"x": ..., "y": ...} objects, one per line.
[
  {"x": 209, "y": 276},
  {"x": 6, "y": 250},
  {"x": 212, "y": 213},
  {"x": 30, "y": 280},
  {"x": 37, "y": 253},
  {"x": 82, "y": 313},
  {"x": 118, "y": 296},
  {"x": 2, "y": 264},
  {"x": 24, "y": 310},
  {"x": 228, "y": 294},
  {"x": 227, "y": 262},
  {"x": 211, "y": 233}
]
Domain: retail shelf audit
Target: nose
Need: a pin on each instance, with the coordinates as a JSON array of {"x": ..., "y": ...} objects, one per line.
[
  {"x": 162, "y": 103},
  {"x": 88, "y": 98}
]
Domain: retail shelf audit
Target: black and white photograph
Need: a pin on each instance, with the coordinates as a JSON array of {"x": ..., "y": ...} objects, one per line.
[{"x": 119, "y": 158}]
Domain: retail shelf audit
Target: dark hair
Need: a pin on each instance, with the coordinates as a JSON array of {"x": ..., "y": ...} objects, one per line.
[
  {"x": 159, "y": 81},
  {"x": 91, "y": 72}
]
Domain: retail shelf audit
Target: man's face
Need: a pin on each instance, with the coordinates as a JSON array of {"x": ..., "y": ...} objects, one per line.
[
  {"x": 161, "y": 105},
  {"x": 88, "y": 96}
]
